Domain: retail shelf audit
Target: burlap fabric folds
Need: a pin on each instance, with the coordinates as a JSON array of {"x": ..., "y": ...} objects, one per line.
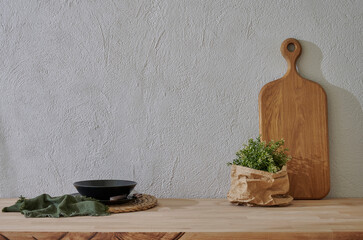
[{"x": 259, "y": 188}]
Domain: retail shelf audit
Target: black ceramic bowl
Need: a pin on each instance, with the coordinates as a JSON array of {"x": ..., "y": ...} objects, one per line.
[{"x": 105, "y": 189}]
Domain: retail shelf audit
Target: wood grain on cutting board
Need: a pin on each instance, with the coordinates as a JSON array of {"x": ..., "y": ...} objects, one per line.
[{"x": 295, "y": 109}]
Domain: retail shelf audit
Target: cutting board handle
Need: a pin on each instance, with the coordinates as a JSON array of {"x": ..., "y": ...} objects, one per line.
[{"x": 291, "y": 50}]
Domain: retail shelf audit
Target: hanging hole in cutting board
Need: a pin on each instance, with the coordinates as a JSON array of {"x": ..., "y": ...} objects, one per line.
[{"x": 291, "y": 47}]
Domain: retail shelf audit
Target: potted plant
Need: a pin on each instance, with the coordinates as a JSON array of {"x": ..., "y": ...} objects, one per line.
[{"x": 258, "y": 174}]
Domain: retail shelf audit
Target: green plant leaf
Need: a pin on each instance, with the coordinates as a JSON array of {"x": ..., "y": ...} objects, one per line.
[{"x": 259, "y": 155}]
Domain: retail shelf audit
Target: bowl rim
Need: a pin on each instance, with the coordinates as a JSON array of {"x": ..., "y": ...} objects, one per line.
[{"x": 128, "y": 183}]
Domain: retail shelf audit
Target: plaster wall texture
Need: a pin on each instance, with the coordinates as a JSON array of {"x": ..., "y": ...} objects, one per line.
[{"x": 164, "y": 92}]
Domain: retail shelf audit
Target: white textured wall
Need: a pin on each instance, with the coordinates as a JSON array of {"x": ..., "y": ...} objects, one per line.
[{"x": 164, "y": 92}]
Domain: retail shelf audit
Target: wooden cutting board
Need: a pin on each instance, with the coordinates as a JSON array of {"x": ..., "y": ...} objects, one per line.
[{"x": 295, "y": 109}]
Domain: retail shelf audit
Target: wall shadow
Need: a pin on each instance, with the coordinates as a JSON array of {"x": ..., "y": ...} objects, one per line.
[
  {"x": 345, "y": 123},
  {"x": 9, "y": 187}
]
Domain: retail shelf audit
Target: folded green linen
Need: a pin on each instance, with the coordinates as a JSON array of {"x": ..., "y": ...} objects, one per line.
[{"x": 55, "y": 207}]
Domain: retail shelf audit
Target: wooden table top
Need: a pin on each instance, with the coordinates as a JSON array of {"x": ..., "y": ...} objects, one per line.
[{"x": 329, "y": 217}]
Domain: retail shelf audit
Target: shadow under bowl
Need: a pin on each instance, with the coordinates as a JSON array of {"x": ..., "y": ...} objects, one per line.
[{"x": 105, "y": 189}]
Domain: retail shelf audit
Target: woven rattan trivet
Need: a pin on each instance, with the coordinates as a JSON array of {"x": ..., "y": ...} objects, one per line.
[{"x": 141, "y": 202}]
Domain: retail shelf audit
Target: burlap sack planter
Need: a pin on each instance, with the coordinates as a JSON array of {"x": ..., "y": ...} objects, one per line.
[{"x": 259, "y": 188}]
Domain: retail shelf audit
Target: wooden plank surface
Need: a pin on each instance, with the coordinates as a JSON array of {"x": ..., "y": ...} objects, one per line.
[
  {"x": 295, "y": 109},
  {"x": 204, "y": 218},
  {"x": 175, "y": 236}
]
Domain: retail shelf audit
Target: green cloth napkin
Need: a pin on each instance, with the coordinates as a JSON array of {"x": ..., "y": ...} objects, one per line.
[{"x": 55, "y": 207}]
